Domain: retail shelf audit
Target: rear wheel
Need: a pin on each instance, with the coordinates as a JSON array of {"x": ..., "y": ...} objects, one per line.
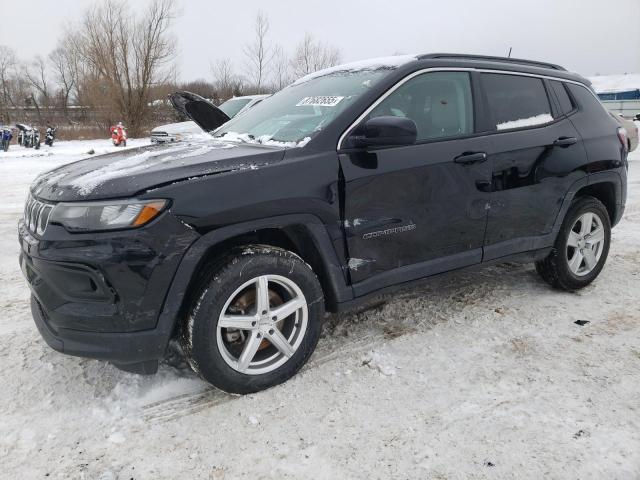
[
  {"x": 256, "y": 320},
  {"x": 581, "y": 248}
]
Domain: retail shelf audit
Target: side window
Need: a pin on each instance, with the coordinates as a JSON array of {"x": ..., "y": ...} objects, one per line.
[
  {"x": 516, "y": 101},
  {"x": 586, "y": 100},
  {"x": 440, "y": 104},
  {"x": 566, "y": 105}
]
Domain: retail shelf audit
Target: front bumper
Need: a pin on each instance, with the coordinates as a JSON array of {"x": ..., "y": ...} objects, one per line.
[
  {"x": 99, "y": 295},
  {"x": 133, "y": 351}
]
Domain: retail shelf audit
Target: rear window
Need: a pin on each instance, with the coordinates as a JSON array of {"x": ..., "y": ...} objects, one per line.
[
  {"x": 233, "y": 106},
  {"x": 566, "y": 105},
  {"x": 516, "y": 101}
]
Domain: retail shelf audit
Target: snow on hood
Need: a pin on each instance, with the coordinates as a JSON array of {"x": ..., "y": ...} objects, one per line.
[
  {"x": 389, "y": 63},
  {"x": 131, "y": 172},
  {"x": 87, "y": 182}
]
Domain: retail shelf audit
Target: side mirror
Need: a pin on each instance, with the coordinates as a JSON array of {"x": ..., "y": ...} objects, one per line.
[
  {"x": 387, "y": 131},
  {"x": 637, "y": 116}
]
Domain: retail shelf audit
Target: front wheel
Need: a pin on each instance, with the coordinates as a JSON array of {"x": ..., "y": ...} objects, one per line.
[
  {"x": 581, "y": 248},
  {"x": 255, "y": 320}
]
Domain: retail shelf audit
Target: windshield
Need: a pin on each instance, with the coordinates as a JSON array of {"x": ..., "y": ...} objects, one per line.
[
  {"x": 232, "y": 106},
  {"x": 294, "y": 115}
]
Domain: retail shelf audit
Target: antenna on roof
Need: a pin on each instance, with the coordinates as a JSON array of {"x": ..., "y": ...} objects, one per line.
[{"x": 510, "y": 48}]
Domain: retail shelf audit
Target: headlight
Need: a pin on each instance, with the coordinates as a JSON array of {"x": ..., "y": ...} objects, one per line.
[{"x": 110, "y": 215}]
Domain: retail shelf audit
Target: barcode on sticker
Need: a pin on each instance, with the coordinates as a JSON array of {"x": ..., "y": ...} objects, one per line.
[{"x": 324, "y": 101}]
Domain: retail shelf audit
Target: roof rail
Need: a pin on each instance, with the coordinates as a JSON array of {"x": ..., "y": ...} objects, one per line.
[{"x": 461, "y": 56}]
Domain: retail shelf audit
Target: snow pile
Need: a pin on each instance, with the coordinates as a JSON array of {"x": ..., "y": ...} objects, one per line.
[
  {"x": 615, "y": 83},
  {"x": 526, "y": 122},
  {"x": 379, "y": 361}
]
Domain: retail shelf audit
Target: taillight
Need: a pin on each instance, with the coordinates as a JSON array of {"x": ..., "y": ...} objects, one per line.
[{"x": 622, "y": 136}]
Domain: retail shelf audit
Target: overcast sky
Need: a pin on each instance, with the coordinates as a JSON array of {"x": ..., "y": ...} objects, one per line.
[{"x": 586, "y": 36}]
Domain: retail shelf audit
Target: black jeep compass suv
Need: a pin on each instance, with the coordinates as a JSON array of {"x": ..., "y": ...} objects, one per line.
[{"x": 349, "y": 182}]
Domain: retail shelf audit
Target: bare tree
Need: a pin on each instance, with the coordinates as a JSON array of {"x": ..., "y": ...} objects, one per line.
[
  {"x": 125, "y": 57},
  {"x": 224, "y": 77},
  {"x": 7, "y": 72},
  {"x": 37, "y": 75},
  {"x": 312, "y": 55},
  {"x": 64, "y": 69},
  {"x": 281, "y": 74},
  {"x": 259, "y": 54}
]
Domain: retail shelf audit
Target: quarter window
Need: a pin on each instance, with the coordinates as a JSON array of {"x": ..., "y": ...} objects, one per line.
[
  {"x": 440, "y": 103},
  {"x": 516, "y": 101}
]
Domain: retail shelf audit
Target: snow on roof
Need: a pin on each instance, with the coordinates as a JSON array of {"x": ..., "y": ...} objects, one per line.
[
  {"x": 616, "y": 83},
  {"x": 392, "y": 62}
]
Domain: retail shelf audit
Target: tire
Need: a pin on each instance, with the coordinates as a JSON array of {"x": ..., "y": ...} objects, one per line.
[
  {"x": 227, "y": 292},
  {"x": 570, "y": 267}
]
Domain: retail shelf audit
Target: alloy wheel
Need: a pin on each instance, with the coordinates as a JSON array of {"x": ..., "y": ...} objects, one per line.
[
  {"x": 262, "y": 324},
  {"x": 585, "y": 243}
]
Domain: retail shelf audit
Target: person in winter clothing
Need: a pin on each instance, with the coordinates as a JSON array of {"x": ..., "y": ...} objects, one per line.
[{"x": 5, "y": 138}]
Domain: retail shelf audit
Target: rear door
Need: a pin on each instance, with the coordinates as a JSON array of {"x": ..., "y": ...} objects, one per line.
[
  {"x": 416, "y": 210},
  {"x": 535, "y": 155}
]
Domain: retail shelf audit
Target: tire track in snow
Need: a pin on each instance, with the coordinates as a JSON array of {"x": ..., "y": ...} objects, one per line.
[
  {"x": 190, "y": 403},
  {"x": 461, "y": 293}
]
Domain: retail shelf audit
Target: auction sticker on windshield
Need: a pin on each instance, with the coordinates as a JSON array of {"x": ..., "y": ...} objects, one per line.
[{"x": 323, "y": 101}]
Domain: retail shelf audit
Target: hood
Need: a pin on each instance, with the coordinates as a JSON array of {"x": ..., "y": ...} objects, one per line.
[
  {"x": 127, "y": 173},
  {"x": 200, "y": 110}
]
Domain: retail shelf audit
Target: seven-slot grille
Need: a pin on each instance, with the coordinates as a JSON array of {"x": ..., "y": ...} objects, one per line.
[{"x": 36, "y": 215}]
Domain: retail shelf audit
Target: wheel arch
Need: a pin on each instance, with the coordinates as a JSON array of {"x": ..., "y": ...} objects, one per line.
[
  {"x": 605, "y": 192},
  {"x": 304, "y": 235}
]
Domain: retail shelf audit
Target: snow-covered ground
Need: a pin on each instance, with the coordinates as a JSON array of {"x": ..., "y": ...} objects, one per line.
[{"x": 475, "y": 375}]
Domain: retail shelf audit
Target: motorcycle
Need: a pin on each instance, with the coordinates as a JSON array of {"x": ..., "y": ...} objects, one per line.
[
  {"x": 119, "y": 135},
  {"x": 22, "y": 134},
  {"x": 35, "y": 138},
  {"x": 50, "y": 136},
  {"x": 28, "y": 136}
]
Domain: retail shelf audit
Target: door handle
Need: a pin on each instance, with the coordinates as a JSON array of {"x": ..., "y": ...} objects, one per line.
[
  {"x": 469, "y": 158},
  {"x": 565, "y": 142}
]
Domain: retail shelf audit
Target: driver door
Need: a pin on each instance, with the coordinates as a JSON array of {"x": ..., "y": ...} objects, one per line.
[{"x": 416, "y": 210}]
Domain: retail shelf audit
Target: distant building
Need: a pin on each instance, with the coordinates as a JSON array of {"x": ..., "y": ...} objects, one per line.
[{"x": 619, "y": 93}]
